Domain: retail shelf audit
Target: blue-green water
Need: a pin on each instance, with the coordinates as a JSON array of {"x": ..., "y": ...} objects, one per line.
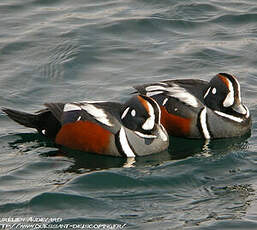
[{"x": 76, "y": 50}]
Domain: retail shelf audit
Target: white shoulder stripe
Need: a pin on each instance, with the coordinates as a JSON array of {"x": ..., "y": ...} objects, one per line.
[
  {"x": 154, "y": 87},
  {"x": 97, "y": 113},
  {"x": 152, "y": 93},
  {"x": 203, "y": 121},
  {"x": 233, "y": 118},
  {"x": 184, "y": 96},
  {"x": 124, "y": 143},
  {"x": 163, "y": 83},
  {"x": 70, "y": 107}
]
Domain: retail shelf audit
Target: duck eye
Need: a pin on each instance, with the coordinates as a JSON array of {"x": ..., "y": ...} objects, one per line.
[{"x": 214, "y": 90}]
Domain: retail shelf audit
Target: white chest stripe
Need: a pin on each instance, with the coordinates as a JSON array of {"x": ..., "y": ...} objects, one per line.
[
  {"x": 184, "y": 96},
  {"x": 97, "y": 113},
  {"x": 124, "y": 143},
  {"x": 203, "y": 121},
  {"x": 233, "y": 118},
  {"x": 149, "y": 123}
]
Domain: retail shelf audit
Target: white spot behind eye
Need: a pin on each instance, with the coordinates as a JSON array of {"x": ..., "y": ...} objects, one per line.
[
  {"x": 214, "y": 90},
  {"x": 133, "y": 113},
  {"x": 43, "y": 131}
]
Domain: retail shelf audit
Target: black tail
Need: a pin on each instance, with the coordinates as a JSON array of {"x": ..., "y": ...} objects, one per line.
[
  {"x": 26, "y": 119},
  {"x": 44, "y": 121}
]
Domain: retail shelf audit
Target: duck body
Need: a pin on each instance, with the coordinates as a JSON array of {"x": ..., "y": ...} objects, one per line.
[
  {"x": 194, "y": 108},
  {"x": 106, "y": 128}
]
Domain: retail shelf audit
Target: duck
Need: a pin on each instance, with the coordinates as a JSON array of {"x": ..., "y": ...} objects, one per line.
[
  {"x": 127, "y": 129},
  {"x": 199, "y": 109}
]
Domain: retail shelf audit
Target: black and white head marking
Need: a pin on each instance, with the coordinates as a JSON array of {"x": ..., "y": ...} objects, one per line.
[
  {"x": 207, "y": 92},
  {"x": 223, "y": 95},
  {"x": 150, "y": 121},
  {"x": 234, "y": 94},
  {"x": 125, "y": 112},
  {"x": 229, "y": 100},
  {"x": 141, "y": 114}
]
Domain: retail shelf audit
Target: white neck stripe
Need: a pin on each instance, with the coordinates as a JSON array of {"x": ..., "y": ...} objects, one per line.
[
  {"x": 124, "y": 143},
  {"x": 203, "y": 121}
]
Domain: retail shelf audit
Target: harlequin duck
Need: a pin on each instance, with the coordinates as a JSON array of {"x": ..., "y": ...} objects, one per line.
[
  {"x": 200, "y": 109},
  {"x": 109, "y": 128}
]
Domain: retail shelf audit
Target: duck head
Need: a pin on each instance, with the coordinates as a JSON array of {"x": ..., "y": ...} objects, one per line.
[
  {"x": 142, "y": 115},
  {"x": 223, "y": 95}
]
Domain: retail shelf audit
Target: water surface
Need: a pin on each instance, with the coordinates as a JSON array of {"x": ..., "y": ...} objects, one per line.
[{"x": 81, "y": 50}]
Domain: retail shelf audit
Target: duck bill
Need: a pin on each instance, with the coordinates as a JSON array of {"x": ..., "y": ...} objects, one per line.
[{"x": 239, "y": 109}]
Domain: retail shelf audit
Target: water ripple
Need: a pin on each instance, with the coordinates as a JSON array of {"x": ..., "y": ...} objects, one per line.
[{"x": 70, "y": 51}]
